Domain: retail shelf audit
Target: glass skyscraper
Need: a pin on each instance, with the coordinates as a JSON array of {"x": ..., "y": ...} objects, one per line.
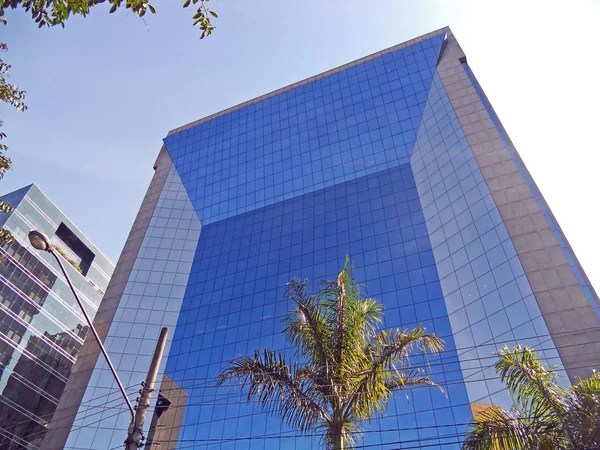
[
  {"x": 42, "y": 328},
  {"x": 397, "y": 160}
]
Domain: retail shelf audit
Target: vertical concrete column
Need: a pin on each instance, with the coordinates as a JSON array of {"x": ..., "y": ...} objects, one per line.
[
  {"x": 565, "y": 308},
  {"x": 63, "y": 418}
]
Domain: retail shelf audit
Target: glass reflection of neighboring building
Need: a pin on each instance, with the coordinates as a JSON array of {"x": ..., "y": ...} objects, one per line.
[
  {"x": 41, "y": 326},
  {"x": 397, "y": 160}
]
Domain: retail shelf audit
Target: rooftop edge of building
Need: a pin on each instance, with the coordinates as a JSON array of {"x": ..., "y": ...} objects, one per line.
[
  {"x": 327, "y": 73},
  {"x": 26, "y": 190}
]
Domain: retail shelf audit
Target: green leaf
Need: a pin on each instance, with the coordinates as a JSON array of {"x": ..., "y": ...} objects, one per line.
[
  {"x": 186, "y": 4},
  {"x": 113, "y": 8},
  {"x": 214, "y": 14},
  {"x": 151, "y": 8}
]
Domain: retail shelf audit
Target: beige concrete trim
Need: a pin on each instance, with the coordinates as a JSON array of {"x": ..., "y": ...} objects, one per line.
[
  {"x": 562, "y": 302},
  {"x": 63, "y": 418}
]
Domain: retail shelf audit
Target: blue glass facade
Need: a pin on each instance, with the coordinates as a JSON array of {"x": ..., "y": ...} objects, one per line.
[
  {"x": 372, "y": 160},
  {"x": 352, "y": 123},
  {"x": 233, "y": 302},
  {"x": 489, "y": 300}
]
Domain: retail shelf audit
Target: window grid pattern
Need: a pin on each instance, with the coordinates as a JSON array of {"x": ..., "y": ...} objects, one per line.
[
  {"x": 369, "y": 162},
  {"x": 151, "y": 300},
  {"x": 409, "y": 218},
  {"x": 341, "y": 127},
  {"x": 41, "y": 326},
  {"x": 488, "y": 297},
  {"x": 234, "y": 304}
]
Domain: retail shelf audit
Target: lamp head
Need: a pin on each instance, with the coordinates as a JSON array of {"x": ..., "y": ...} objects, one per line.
[{"x": 39, "y": 240}]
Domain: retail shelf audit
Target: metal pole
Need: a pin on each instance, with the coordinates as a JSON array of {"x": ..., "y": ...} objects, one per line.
[
  {"x": 102, "y": 349},
  {"x": 134, "y": 439}
]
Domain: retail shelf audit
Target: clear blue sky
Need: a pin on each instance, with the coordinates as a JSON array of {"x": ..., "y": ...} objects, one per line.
[{"x": 104, "y": 91}]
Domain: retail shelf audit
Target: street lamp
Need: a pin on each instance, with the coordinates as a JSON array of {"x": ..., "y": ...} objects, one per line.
[{"x": 40, "y": 242}]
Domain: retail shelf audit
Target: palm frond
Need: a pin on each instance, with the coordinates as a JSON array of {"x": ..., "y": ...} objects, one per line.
[
  {"x": 588, "y": 386},
  {"x": 369, "y": 316},
  {"x": 499, "y": 429},
  {"x": 396, "y": 345},
  {"x": 349, "y": 319},
  {"x": 530, "y": 382},
  {"x": 5, "y": 236},
  {"x": 343, "y": 330},
  {"x": 278, "y": 388},
  {"x": 412, "y": 378},
  {"x": 305, "y": 325},
  {"x": 5, "y": 207},
  {"x": 547, "y": 416},
  {"x": 390, "y": 348},
  {"x": 584, "y": 411}
]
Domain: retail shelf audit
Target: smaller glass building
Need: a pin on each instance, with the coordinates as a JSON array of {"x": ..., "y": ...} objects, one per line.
[{"x": 41, "y": 325}]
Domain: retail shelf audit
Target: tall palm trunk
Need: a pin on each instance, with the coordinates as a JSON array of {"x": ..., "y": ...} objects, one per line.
[
  {"x": 338, "y": 428},
  {"x": 338, "y": 440}
]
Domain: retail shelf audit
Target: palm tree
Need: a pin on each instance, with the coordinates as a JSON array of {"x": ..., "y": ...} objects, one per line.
[
  {"x": 545, "y": 416},
  {"x": 346, "y": 369}
]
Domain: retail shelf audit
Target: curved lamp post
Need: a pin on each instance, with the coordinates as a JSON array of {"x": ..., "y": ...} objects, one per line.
[{"x": 40, "y": 242}]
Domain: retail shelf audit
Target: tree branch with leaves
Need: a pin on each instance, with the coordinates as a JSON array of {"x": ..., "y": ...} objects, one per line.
[
  {"x": 50, "y": 13},
  {"x": 14, "y": 96}
]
